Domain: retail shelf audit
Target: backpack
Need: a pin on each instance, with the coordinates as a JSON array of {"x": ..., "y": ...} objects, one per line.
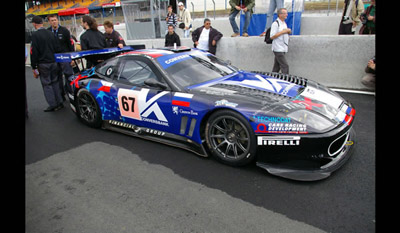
[{"x": 267, "y": 38}]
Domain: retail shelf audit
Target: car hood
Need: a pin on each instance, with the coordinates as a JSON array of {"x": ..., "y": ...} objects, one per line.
[
  {"x": 247, "y": 81},
  {"x": 280, "y": 96}
]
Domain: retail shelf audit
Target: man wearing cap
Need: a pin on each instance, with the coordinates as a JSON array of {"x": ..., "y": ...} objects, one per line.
[
  {"x": 43, "y": 46},
  {"x": 184, "y": 17}
]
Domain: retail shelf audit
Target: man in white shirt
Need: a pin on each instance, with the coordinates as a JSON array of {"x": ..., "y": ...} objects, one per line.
[
  {"x": 280, "y": 35},
  {"x": 206, "y": 37}
]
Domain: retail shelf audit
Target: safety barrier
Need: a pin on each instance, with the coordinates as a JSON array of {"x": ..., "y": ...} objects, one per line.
[{"x": 334, "y": 61}]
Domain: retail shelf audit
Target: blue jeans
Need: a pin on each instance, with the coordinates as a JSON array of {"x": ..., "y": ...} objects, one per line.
[
  {"x": 186, "y": 33},
  {"x": 233, "y": 22},
  {"x": 273, "y": 4}
]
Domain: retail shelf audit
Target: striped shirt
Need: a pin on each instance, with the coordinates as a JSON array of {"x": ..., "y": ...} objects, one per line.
[{"x": 172, "y": 19}]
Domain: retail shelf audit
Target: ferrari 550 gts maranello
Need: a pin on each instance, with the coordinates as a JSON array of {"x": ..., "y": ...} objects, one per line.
[{"x": 290, "y": 126}]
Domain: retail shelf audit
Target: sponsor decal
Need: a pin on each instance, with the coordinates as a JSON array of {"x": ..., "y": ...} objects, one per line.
[
  {"x": 122, "y": 124},
  {"x": 135, "y": 128},
  {"x": 62, "y": 58},
  {"x": 134, "y": 104},
  {"x": 175, "y": 59},
  {"x": 170, "y": 60},
  {"x": 271, "y": 119},
  {"x": 288, "y": 128},
  {"x": 226, "y": 103},
  {"x": 182, "y": 99},
  {"x": 155, "y": 132},
  {"x": 278, "y": 140},
  {"x": 176, "y": 110}
]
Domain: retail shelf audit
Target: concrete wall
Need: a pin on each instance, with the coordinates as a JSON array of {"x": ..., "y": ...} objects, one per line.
[{"x": 334, "y": 61}]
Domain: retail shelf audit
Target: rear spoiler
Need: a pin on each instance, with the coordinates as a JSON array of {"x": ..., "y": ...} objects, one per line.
[{"x": 98, "y": 54}]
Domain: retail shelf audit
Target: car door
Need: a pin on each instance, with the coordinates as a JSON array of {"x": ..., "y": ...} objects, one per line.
[{"x": 142, "y": 96}]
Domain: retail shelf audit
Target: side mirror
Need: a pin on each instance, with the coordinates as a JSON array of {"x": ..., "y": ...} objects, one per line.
[{"x": 152, "y": 82}]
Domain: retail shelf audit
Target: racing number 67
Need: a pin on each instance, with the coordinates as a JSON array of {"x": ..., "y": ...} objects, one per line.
[
  {"x": 128, "y": 106},
  {"x": 125, "y": 104}
]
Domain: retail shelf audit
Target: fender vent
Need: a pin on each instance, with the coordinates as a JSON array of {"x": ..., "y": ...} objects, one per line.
[
  {"x": 185, "y": 127},
  {"x": 286, "y": 77}
]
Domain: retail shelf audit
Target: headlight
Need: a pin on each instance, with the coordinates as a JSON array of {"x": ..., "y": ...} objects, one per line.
[{"x": 311, "y": 119}]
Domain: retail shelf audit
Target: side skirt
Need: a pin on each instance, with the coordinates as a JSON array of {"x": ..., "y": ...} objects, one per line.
[{"x": 155, "y": 135}]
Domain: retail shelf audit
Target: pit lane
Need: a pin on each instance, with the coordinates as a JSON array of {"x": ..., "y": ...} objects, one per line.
[{"x": 344, "y": 202}]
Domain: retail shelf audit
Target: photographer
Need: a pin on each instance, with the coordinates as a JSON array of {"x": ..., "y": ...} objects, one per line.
[
  {"x": 369, "y": 79},
  {"x": 368, "y": 18},
  {"x": 351, "y": 16}
]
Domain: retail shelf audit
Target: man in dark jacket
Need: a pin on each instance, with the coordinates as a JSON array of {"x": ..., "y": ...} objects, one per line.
[
  {"x": 171, "y": 37},
  {"x": 63, "y": 37},
  {"x": 113, "y": 38},
  {"x": 92, "y": 38},
  {"x": 44, "y": 65},
  {"x": 206, "y": 37}
]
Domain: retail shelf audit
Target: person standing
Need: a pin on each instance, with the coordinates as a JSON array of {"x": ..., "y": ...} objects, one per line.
[
  {"x": 172, "y": 18},
  {"x": 273, "y": 5},
  {"x": 43, "y": 47},
  {"x": 351, "y": 16},
  {"x": 113, "y": 38},
  {"x": 26, "y": 98},
  {"x": 92, "y": 38},
  {"x": 369, "y": 26},
  {"x": 280, "y": 41},
  {"x": 64, "y": 40},
  {"x": 185, "y": 18},
  {"x": 171, "y": 37},
  {"x": 236, "y": 7},
  {"x": 206, "y": 37}
]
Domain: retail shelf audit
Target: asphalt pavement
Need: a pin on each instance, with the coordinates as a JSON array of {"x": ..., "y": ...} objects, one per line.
[{"x": 80, "y": 179}]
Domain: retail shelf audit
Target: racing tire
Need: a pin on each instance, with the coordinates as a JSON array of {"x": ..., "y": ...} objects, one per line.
[
  {"x": 87, "y": 109},
  {"x": 230, "y": 138}
]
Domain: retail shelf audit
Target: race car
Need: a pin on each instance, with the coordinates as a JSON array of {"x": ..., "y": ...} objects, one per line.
[{"x": 290, "y": 126}]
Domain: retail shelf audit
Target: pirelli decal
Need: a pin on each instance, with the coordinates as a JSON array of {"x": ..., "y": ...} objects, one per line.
[{"x": 278, "y": 140}]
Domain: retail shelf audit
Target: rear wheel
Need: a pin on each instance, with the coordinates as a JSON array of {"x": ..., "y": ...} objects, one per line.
[
  {"x": 87, "y": 109},
  {"x": 230, "y": 138}
]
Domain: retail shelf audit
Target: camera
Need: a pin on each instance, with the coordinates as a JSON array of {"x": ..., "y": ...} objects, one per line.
[{"x": 363, "y": 18}]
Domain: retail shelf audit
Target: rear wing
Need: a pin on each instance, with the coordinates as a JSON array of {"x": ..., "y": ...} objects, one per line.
[{"x": 95, "y": 54}]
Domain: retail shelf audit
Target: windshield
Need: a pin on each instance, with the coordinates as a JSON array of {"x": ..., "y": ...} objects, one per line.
[{"x": 195, "y": 67}]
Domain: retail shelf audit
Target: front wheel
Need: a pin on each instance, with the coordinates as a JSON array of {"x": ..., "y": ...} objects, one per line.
[
  {"x": 230, "y": 138},
  {"x": 87, "y": 109}
]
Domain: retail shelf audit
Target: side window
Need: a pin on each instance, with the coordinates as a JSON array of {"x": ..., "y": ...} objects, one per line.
[
  {"x": 107, "y": 68},
  {"x": 135, "y": 72}
]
